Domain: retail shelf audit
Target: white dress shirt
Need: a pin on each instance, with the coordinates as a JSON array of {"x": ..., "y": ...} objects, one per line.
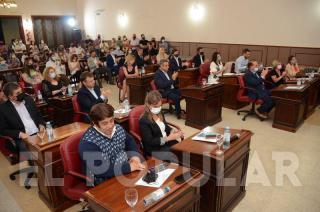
[
  {"x": 177, "y": 60},
  {"x": 95, "y": 94},
  {"x": 26, "y": 119},
  {"x": 167, "y": 76},
  {"x": 162, "y": 127}
]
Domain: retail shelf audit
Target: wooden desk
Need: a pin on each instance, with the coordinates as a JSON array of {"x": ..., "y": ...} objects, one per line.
[
  {"x": 203, "y": 104},
  {"x": 313, "y": 94},
  {"x": 290, "y": 106},
  {"x": 16, "y": 71},
  {"x": 184, "y": 197},
  {"x": 151, "y": 68},
  {"x": 139, "y": 86},
  {"x": 188, "y": 77},
  {"x": 43, "y": 108},
  {"x": 63, "y": 113},
  {"x": 215, "y": 196},
  {"x": 48, "y": 160},
  {"x": 231, "y": 88}
]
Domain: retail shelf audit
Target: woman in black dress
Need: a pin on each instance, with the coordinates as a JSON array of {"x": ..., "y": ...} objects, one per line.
[
  {"x": 277, "y": 75},
  {"x": 52, "y": 85},
  {"x": 130, "y": 69}
]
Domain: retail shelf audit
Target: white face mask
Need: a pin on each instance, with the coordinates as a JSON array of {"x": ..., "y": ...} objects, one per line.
[
  {"x": 255, "y": 70},
  {"x": 52, "y": 75},
  {"x": 279, "y": 66},
  {"x": 155, "y": 110}
]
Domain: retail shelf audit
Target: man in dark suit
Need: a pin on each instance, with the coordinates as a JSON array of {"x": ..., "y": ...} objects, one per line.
[
  {"x": 165, "y": 84},
  {"x": 112, "y": 63},
  {"x": 257, "y": 83},
  {"x": 19, "y": 116},
  {"x": 175, "y": 63},
  {"x": 90, "y": 94},
  {"x": 140, "y": 58},
  {"x": 198, "y": 59}
]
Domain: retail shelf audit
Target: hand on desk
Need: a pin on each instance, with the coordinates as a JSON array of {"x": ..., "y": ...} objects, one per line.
[
  {"x": 175, "y": 135},
  {"x": 135, "y": 165},
  {"x": 23, "y": 136},
  {"x": 105, "y": 92}
]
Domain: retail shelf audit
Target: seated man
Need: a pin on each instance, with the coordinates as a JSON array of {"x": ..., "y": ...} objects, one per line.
[
  {"x": 242, "y": 61},
  {"x": 96, "y": 67},
  {"x": 106, "y": 149},
  {"x": 90, "y": 94},
  {"x": 19, "y": 116},
  {"x": 256, "y": 82},
  {"x": 112, "y": 63},
  {"x": 165, "y": 84},
  {"x": 198, "y": 59}
]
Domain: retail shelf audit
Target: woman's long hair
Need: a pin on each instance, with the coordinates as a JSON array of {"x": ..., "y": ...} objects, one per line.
[{"x": 152, "y": 98}]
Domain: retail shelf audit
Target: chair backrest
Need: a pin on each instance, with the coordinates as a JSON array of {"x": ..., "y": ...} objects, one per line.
[
  {"x": 204, "y": 71},
  {"x": 75, "y": 104},
  {"x": 242, "y": 90},
  {"x": 134, "y": 117},
  {"x": 120, "y": 78},
  {"x": 153, "y": 86},
  {"x": 71, "y": 162},
  {"x": 229, "y": 67}
]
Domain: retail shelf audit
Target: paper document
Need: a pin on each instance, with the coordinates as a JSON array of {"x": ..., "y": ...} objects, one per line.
[
  {"x": 294, "y": 87},
  {"x": 162, "y": 177},
  {"x": 202, "y": 137}
]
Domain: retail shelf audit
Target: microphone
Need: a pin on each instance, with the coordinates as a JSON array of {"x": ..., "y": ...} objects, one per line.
[{"x": 235, "y": 137}]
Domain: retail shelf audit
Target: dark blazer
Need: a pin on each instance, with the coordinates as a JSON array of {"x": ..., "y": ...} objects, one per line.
[
  {"x": 197, "y": 60},
  {"x": 257, "y": 83},
  {"x": 173, "y": 66},
  {"x": 139, "y": 61},
  {"x": 111, "y": 65},
  {"x": 10, "y": 122},
  {"x": 162, "y": 83},
  {"x": 87, "y": 100},
  {"x": 151, "y": 135}
]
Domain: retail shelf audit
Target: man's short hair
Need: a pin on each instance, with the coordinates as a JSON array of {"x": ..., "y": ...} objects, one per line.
[
  {"x": 85, "y": 75},
  {"x": 92, "y": 51},
  {"x": 251, "y": 63},
  {"x": 245, "y": 50},
  {"x": 199, "y": 48},
  {"x": 162, "y": 61},
  {"x": 9, "y": 87},
  {"x": 101, "y": 111}
]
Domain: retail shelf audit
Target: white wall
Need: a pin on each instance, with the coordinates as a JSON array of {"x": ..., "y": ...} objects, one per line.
[{"x": 259, "y": 22}]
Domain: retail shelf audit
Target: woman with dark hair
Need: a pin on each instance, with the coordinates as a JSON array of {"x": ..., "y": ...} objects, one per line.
[
  {"x": 31, "y": 76},
  {"x": 292, "y": 67},
  {"x": 74, "y": 67},
  {"x": 216, "y": 66},
  {"x": 157, "y": 135}
]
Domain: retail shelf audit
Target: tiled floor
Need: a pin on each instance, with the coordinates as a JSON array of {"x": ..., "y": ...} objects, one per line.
[{"x": 263, "y": 190}]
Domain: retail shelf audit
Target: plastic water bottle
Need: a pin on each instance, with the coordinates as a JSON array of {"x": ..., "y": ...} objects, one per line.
[
  {"x": 226, "y": 138},
  {"x": 156, "y": 195},
  {"x": 49, "y": 131},
  {"x": 70, "y": 93},
  {"x": 39, "y": 95},
  {"x": 143, "y": 71},
  {"x": 126, "y": 105}
]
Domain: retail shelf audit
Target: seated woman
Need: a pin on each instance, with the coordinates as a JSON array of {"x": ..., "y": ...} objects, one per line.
[
  {"x": 292, "y": 67},
  {"x": 14, "y": 62},
  {"x": 74, "y": 67},
  {"x": 3, "y": 64},
  {"x": 106, "y": 149},
  {"x": 216, "y": 66},
  {"x": 129, "y": 70},
  {"x": 31, "y": 76},
  {"x": 52, "y": 85},
  {"x": 157, "y": 135},
  {"x": 162, "y": 55},
  {"x": 277, "y": 75}
]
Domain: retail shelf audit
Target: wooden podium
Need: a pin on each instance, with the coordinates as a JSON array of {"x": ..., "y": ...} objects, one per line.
[
  {"x": 225, "y": 176},
  {"x": 138, "y": 88},
  {"x": 231, "y": 88},
  {"x": 203, "y": 104},
  {"x": 63, "y": 109},
  {"x": 188, "y": 77},
  {"x": 151, "y": 68}
]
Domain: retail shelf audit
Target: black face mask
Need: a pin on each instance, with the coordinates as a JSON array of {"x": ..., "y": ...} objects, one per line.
[
  {"x": 30, "y": 66},
  {"x": 201, "y": 53},
  {"x": 20, "y": 97}
]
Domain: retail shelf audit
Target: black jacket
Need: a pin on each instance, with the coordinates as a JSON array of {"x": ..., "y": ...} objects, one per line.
[
  {"x": 197, "y": 60},
  {"x": 10, "y": 121},
  {"x": 151, "y": 135},
  {"x": 257, "y": 83},
  {"x": 87, "y": 100},
  {"x": 173, "y": 65}
]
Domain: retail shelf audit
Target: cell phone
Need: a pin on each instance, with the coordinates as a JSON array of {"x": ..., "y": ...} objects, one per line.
[{"x": 183, "y": 177}]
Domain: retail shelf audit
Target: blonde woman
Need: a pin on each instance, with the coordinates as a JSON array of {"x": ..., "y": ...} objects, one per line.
[
  {"x": 162, "y": 55},
  {"x": 157, "y": 135},
  {"x": 130, "y": 69},
  {"x": 52, "y": 84}
]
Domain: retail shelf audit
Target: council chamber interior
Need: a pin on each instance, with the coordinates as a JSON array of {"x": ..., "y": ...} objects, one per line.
[{"x": 183, "y": 105}]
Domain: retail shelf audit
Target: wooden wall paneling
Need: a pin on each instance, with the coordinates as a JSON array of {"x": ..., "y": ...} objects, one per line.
[
  {"x": 273, "y": 54},
  {"x": 307, "y": 56},
  {"x": 284, "y": 53},
  {"x": 234, "y": 52}
]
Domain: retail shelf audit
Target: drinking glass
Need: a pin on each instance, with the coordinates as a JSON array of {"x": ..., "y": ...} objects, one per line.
[
  {"x": 131, "y": 197},
  {"x": 41, "y": 136},
  {"x": 219, "y": 144}
]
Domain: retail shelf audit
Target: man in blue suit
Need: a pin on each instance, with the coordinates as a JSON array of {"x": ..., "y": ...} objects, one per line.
[
  {"x": 165, "y": 84},
  {"x": 112, "y": 63},
  {"x": 175, "y": 63},
  {"x": 257, "y": 83}
]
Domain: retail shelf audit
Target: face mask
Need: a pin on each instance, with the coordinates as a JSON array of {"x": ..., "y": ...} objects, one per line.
[
  {"x": 130, "y": 51},
  {"x": 118, "y": 48},
  {"x": 52, "y": 75},
  {"x": 279, "y": 66},
  {"x": 255, "y": 70},
  {"x": 219, "y": 58},
  {"x": 155, "y": 110},
  {"x": 163, "y": 40},
  {"x": 20, "y": 97},
  {"x": 13, "y": 57}
]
